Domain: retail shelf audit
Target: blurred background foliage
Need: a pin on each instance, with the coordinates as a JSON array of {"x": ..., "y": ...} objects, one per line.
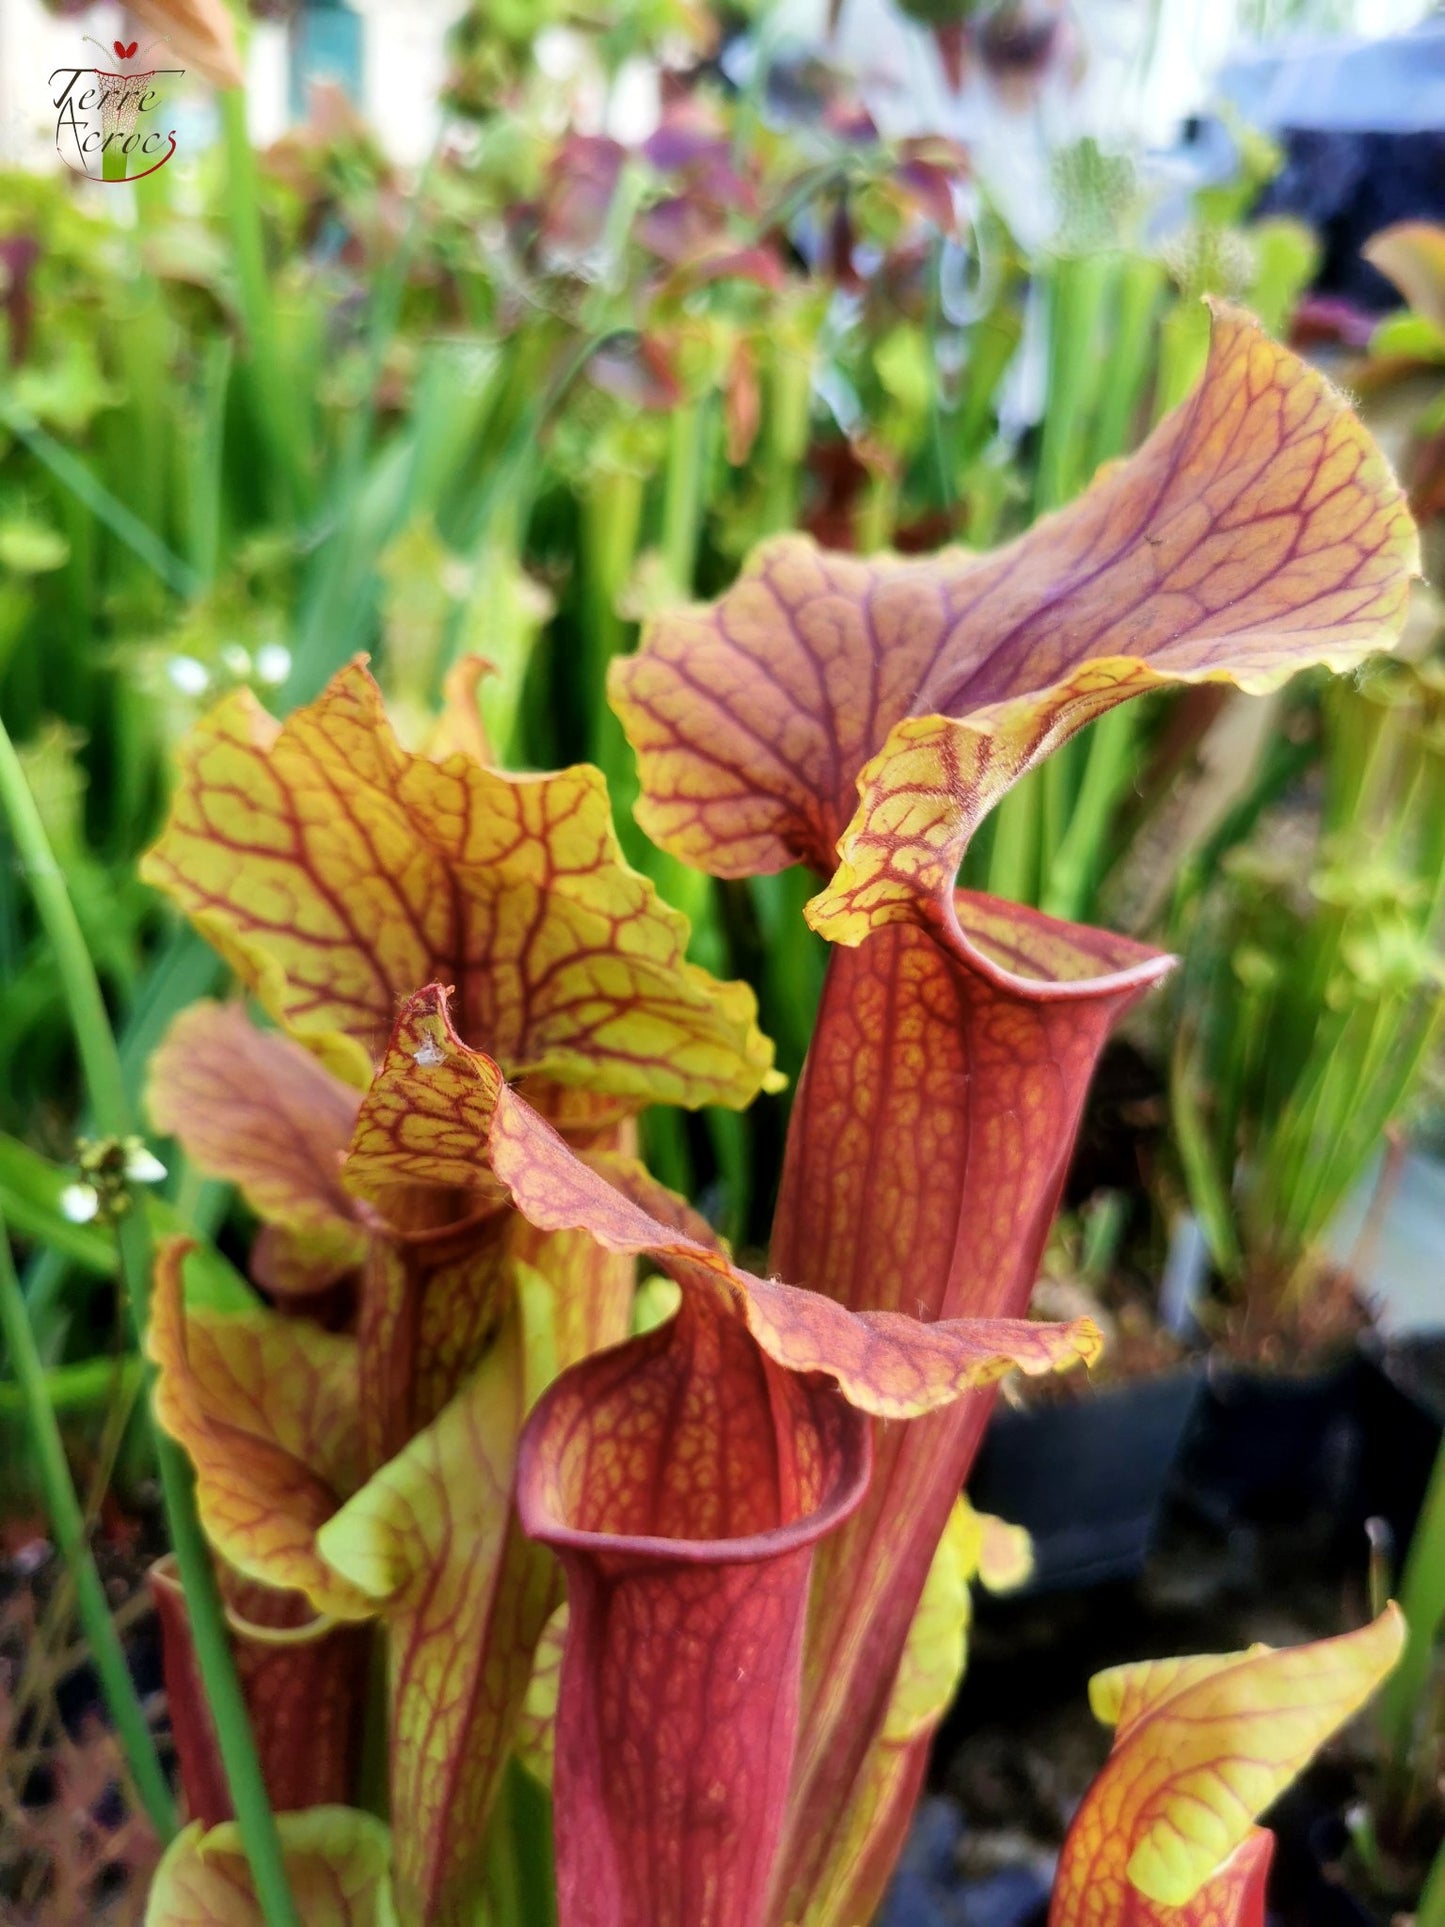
[
  {"x": 302, "y": 406},
  {"x": 273, "y": 408}
]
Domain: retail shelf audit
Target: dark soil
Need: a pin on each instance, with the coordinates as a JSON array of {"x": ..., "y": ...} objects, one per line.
[{"x": 75, "y": 1849}]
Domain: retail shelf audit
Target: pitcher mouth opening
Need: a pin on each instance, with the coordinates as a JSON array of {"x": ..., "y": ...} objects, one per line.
[{"x": 846, "y": 1435}]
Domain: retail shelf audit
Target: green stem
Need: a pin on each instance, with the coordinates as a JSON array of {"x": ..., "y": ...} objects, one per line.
[
  {"x": 1050, "y": 828},
  {"x": 81, "y": 1390},
  {"x": 992, "y": 343},
  {"x": 93, "y": 495},
  {"x": 1058, "y": 787},
  {"x": 1296, "y": 1139},
  {"x": 785, "y": 433},
  {"x": 610, "y": 514},
  {"x": 1079, "y": 288},
  {"x": 531, "y": 1815},
  {"x": 31, "y": 1193},
  {"x": 183, "y": 971},
  {"x": 1081, "y": 857},
  {"x": 1130, "y": 359},
  {"x": 1422, "y": 1600},
  {"x": 99, "y": 1058},
  {"x": 110, "y": 1108},
  {"x": 275, "y": 409},
  {"x": 503, "y": 1882},
  {"x": 1183, "y": 346},
  {"x": 202, "y": 455},
  {"x": 664, "y": 1147},
  {"x": 611, "y": 523},
  {"x": 1281, "y": 763},
  {"x": 1431, "y": 1910},
  {"x": 790, "y": 964},
  {"x": 729, "y": 1135},
  {"x": 1205, "y": 1180},
  {"x": 520, "y": 1890},
  {"x": 1013, "y": 870},
  {"x": 682, "y": 494},
  {"x": 876, "y": 517},
  {"x": 333, "y": 582},
  {"x": 944, "y": 475},
  {"x": 68, "y": 1524}
]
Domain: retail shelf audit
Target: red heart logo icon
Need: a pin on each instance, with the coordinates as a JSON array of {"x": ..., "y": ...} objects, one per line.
[{"x": 123, "y": 52}]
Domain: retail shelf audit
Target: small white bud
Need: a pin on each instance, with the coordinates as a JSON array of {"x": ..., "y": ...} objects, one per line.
[
  {"x": 79, "y": 1203},
  {"x": 192, "y": 678},
  {"x": 273, "y": 663}
]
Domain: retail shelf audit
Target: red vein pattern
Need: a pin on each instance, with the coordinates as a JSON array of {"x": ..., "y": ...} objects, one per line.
[
  {"x": 881, "y": 1818},
  {"x": 438, "y": 1283},
  {"x": 432, "y": 1539},
  {"x": 1257, "y": 530},
  {"x": 879, "y": 708},
  {"x": 336, "y": 1869},
  {"x": 930, "y": 1137},
  {"x": 254, "y": 1108},
  {"x": 683, "y": 1479},
  {"x": 266, "y": 1408},
  {"x": 665, "y": 1472},
  {"x": 886, "y": 1363},
  {"x": 336, "y": 872},
  {"x": 927, "y": 1679},
  {"x": 305, "y": 1697},
  {"x": 429, "y": 1308},
  {"x": 1203, "y": 1746},
  {"x": 1234, "y": 1897}
]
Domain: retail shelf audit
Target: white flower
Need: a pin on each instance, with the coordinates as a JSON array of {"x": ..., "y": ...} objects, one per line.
[
  {"x": 273, "y": 663},
  {"x": 144, "y": 1167},
  {"x": 192, "y": 678},
  {"x": 79, "y": 1203}
]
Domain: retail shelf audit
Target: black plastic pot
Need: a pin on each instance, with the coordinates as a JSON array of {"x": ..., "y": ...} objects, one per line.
[
  {"x": 1268, "y": 1447},
  {"x": 1402, "y": 1415},
  {"x": 1088, "y": 1477}
]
